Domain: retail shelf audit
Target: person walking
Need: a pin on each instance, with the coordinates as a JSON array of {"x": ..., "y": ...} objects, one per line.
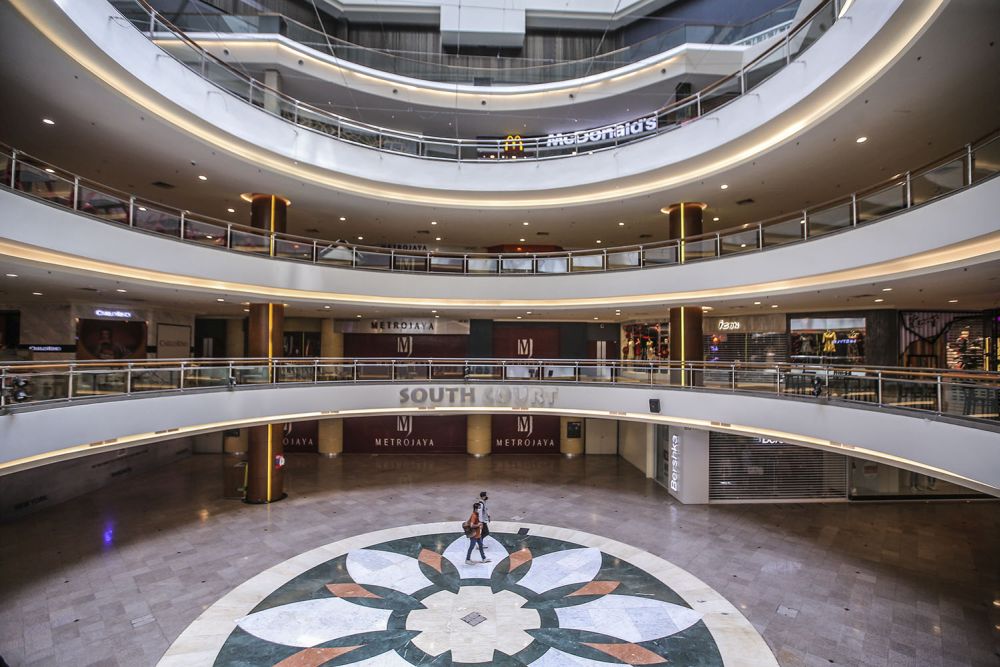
[
  {"x": 475, "y": 537},
  {"x": 484, "y": 514}
]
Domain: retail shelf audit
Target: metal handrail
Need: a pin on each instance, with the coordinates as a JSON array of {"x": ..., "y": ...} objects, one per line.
[
  {"x": 539, "y": 70},
  {"x": 115, "y": 206},
  {"x": 969, "y": 395},
  {"x": 669, "y": 117}
]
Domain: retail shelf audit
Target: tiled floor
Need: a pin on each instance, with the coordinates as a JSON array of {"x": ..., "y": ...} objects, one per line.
[{"x": 115, "y": 576}]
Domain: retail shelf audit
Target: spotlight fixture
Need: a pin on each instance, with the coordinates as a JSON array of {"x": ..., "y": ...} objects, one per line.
[
  {"x": 231, "y": 210},
  {"x": 361, "y": 238},
  {"x": 202, "y": 177},
  {"x": 525, "y": 223},
  {"x": 861, "y": 140},
  {"x": 343, "y": 219},
  {"x": 886, "y": 289},
  {"x": 621, "y": 224},
  {"x": 437, "y": 238},
  {"x": 520, "y": 240},
  {"x": 598, "y": 241},
  {"x": 724, "y": 186},
  {"x": 358, "y": 316},
  {"x": 50, "y": 170},
  {"x": 434, "y": 222},
  {"x": 120, "y": 290},
  {"x": 715, "y": 219},
  {"x": 48, "y": 121},
  {"x": 11, "y": 275},
  {"x": 221, "y": 300},
  {"x": 756, "y": 303},
  {"x": 774, "y": 305},
  {"x": 326, "y": 307},
  {"x": 952, "y": 300},
  {"x": 879, "y": 300},
  {"x": 37, "y": 293}
]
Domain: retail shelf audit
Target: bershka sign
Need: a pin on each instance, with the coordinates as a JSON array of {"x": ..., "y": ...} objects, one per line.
[
  {"x": 515, "y": 397},
  {"x": 527, "y": 434},
  {"x": 604, "y": 134},
  {"x": 675, "y": 463}
]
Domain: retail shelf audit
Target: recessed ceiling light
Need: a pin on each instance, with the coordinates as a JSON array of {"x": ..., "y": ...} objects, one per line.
[
  {"x": 724, "y": 186},
  {"x": 209, "y": 236},
  {"x": 886, "y": 289},
  {"x": 774, "y": 305},
  {"x": 706, "y": 308},
  {"x": 527, "y": 312},
  {"x": 756, "y": 303},
  {"x": 202, "y": 177},
  {"x": 437, "y": 317},
  {"x": 50, "y": 170},
  {"x": 518, "y": 317},
  {"x": 803, "y": 221},
  {"x": 596, "y": 318},
  {"x": 598, "y": 240},
  {"x": 861, "y": 140},
  {"x": 525, "y": 223},
  {"x": 245, "y": 303},
  {"x": 433, "y": 311},
  {"x": 879, "y": 300},
  {"x": 48, "y": 121},
  {"x": 231, "y": 210},
  {"x": 11, "y": 275},
  {"x": 437, "y": 238},
  {"x": 326, "y": 307},
  {"x": 142, "y": 208},
  {"x": 434, "y": 222},
  {"x": 621, "y": 224},
  {"x": 220, "y": 300},
  {"x": 357, "y": 316},
  {"x": 343, "y": 219},
  {"x": 121, "y": 290},
  {"x": 952, "y": 300},
  {"x": 743, "y": 245},
  {"x": 521, "y": 240},
  {"x": 715, "y": 219},
  {"x": 361, "y": 238},
  {"x": 37, "y": 293},
  {"x": 246, "y": 310}
]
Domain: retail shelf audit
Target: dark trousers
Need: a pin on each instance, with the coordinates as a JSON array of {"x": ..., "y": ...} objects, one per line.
[{"x": 473, "y": 541}]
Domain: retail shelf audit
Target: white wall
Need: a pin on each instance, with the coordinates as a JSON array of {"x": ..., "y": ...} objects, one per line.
[
  {"x": 950, "y": 450},
  {"x": 905, "y": 244},
  {"x": 636, "y": 445},
  {"x": 600, "y": 436}
]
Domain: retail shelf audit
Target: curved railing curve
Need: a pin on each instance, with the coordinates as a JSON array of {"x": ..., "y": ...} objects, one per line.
[
  {"x": 963, "y": 168},
  {"x": 714, "y": 96}
]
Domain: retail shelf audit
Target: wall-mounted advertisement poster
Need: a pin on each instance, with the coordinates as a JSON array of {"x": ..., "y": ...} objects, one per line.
[{"x": 110, "y": 339}]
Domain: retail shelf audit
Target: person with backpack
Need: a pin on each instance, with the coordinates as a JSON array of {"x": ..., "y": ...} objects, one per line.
[
  {"x": 484, "y": 514},
  {"x": 474, "y": 530}
]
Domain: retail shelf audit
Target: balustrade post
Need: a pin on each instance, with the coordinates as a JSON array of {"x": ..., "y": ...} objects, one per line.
[
  {"x": 732, "y": 376},
  {"x": 182, "y": 225},
  {"x": 697, "y": 104},
  {"x": 76, "y": 193},
  {"x": 854, "y": 209},
  {"x": 788, "y": 49},
  {"x": 128, "y": 379},
  {"x": 152, "y": 22},
  {"x": 969, "y": 164},
  {"x": 878, "y": 389},
  {"x": 3, "y": 388},
  {"x": 13, "y": 169},
  {"x": 909, "y": 192},
  {"x": 805, "y": 225},
  {"x": 229, "y": 236},
  {"x": 180, "y": 382},
  {"x": 777, "y": 380},
  {"x": 743, "y": 82},
  {"x": 315, "y": 252},
  {"x": 315, "y": 371},
  {"x": 760, "y": 236},
  {"x": 718, "y": 245},
  {"x": 940, "y": 395},
  {"x": 295, "y": 112},
  {"x": 354, "y": 367},
  {"x": 131, "y": 211},
  {"x": 69, "y": 384}
]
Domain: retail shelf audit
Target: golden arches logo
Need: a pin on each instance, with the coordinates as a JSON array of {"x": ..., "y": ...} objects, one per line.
[{"x": 513, "y": 143}]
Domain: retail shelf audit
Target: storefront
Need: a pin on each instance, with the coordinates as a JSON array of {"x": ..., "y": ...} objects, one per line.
[
  {"x": 525, "y": 434},
  {"x": 645, "y": 341},
  {"x": 747, "y": 339},
  {"x": 111, "y": 333},
  {"x": 878, "y": 481},
  {"x": 827, "y": 339},
  {"x": 427, "y": 338},
  {"x": 957, "y": 340},
  {"x": 405, "y": 434}
]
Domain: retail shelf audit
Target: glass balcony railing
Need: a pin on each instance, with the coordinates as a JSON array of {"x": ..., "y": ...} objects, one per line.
[
  {"x": 466, "y": 69},
  {"x": 971, "y": 395},
  {"x": 964, "y": 168},
  {"x": 794, "y": 42}
]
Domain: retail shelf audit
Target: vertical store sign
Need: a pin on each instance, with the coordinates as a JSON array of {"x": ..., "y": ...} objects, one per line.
[{"x": 675, "y": 463}]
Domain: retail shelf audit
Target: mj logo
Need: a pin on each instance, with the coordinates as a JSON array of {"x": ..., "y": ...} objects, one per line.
[
  {"x": 404, "y": 424},
  {"x": 404, "y": 345},
  {"x": 286, "y": 429},
  {"x": 525, "y": 347},
  {"x": 525, "y": 425}
]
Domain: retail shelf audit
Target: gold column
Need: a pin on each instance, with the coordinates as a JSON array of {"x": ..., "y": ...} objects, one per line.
[
  {"x": 479, "y": 434},
  {"x": 331, "y": 437}
]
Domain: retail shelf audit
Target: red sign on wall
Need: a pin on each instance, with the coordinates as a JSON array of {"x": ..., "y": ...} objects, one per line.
[
  {"x": 405, "y": 434},
  {"x": 525, "y": 434}
]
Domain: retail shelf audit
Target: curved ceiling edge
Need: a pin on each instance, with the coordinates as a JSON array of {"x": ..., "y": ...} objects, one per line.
[{"x": 825, "y": 102}]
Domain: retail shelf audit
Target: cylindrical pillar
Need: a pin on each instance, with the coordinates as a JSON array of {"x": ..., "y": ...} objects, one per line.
[
  {"x": 266, "y": 456},
  {"x": 331, "y": 437},
  {"x": 684, "y": 221},
  {"x": 270, "y": 213},
  {"x": 235, "y": 346},
  {"x": 331, "y": 342},
  {"x": 686, "y": 345},
  {"x": 570, "y": 447},
  {"x": 235, "y": 441},
  {"x": 478, "y": 434}
]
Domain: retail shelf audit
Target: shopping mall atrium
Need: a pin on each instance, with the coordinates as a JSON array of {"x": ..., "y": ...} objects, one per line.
[{"x": 679, "y": 319}]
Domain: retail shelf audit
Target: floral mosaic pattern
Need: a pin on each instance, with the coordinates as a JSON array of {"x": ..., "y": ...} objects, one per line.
[{"x": 540, "y": 601}]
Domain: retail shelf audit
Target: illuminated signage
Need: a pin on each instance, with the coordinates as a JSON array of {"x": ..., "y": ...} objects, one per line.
[
  {"x": 45, "y": 348},
  {"x": 401, "y": 325},
  {"x": 113, "y": 313},
  {"x": 730, "y": 325},
  {"x": 604, "y": 134}
]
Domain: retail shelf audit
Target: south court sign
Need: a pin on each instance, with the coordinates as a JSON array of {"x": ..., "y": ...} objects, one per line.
[{"x": 507, "y": 397}]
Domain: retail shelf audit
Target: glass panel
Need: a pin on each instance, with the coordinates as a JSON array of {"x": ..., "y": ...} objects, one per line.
[
  {"x": 254, "y": 242},
  {"x": 678, "y": 115},
  {"x": 99, "y": 382},
  {"x": 293, "y": 249},
  {"x": 938, "y": 181},
  {"x": 295, "y": 372},
  {"x": 251, "y": 374},
  {"x": 904, "y": 393},
  {"x": 335, "y": 372},
  {"x": 764, "y": 68},
  {"x": 587, "y": 262},
  {"x": 447, "y": 371},
  {"x": 341, "y": 255},
  {"x": 225, "y": 78},
  {"x": 829, "y": 220},
  {"x": 360, "y": 135},
  {"x": 206, "y": 376},
  {"x": 876, "y": 204},
  {"x": 986, "y": 160},
  {"x": 204, "y": 232},
  {"x": 970, "y": 399},
  {"x": 739, "y": 241},
  {"x": 852, "y": 386},
  {"x": 410, "y": 262},
  {"x": 482, "y": 265},
  {"x": 155, "y": 220},
  {"x": 714, "y": 97},
  {"x": 447, "y": 264},
  {"x": 597, "y": 373},
  {"x": 807, "y": 35},
  {"x": 484, "y": 371},
  {"x": 552, "y": 264},
  {"x": 559, "y": 372},
  {"x": 45, "y": 185},
  {"x": 420, "y": 371},
  {"x": 660, "y": 255},
  {"x": 787, "y": 231},
  {"x": 717, "y": 377},
  {"x": 315, "y": 121},
  {"x": 758, "y": 379},
  {"x": 103, "y": 205},
  {"x": 157, "y": 379},
  {"x": 517, "y": 265},
  {"x": 699, "y": 249},
  {"x": 371, "y": 259},
  {"x": 31, "y": 387},
  {"x": 374, "y": 371},
  {"x": 398, "y": 144},
  {"x": 627, "y": 259}
]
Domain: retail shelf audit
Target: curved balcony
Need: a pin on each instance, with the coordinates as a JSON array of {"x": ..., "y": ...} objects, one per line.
[
  {"x": 711, "y": 98},
  {"x": 953, "y": 173},
  {"x": 465, "y": 69},
  {"x": 945, "y": 423}
]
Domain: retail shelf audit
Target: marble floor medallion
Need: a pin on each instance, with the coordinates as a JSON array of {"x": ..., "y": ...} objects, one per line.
[{"x": 546, "y": 597}]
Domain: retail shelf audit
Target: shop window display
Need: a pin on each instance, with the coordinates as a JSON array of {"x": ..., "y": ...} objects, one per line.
[
  {"x": 646, "y": 341},
  {"x": 827, "y": 340},
  {"x": 942, "y": 340},
  {"x": 875, "y": 481}
]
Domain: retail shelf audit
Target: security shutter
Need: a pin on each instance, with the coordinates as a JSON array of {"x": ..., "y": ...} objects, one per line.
[{"x": 745, "y": 468}]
